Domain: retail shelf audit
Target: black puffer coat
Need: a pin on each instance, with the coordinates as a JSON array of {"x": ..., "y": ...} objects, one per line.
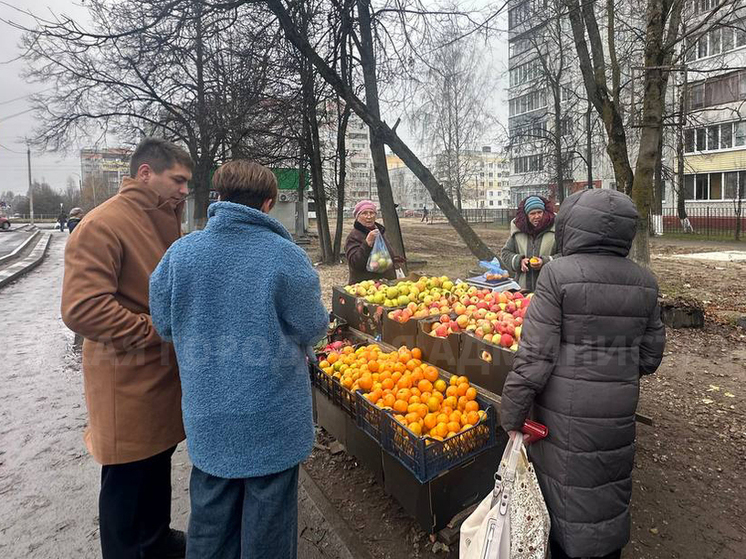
[{"x": 592, "y": 329}]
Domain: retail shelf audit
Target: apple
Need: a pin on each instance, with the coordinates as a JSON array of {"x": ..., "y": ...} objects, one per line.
[
  {"x": 445, "y": 318},
  {"x": 506, "y": 340},
  {"x": 459, "y": 309},
  {"x": 479, "y": 333},
  {"x": 490, "y": 316},
  {"x": 462, "y": 320},
  {"x": 442, "y": 331},
  {"x": 518, "y": 330}
]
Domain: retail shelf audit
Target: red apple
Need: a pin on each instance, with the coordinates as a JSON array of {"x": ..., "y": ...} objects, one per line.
[{"x": 506, "y": 340}]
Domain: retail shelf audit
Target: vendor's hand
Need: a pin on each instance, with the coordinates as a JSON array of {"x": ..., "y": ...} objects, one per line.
[
  {"x": 371, "y": 238},
  {"x": 524, "y": 264}
]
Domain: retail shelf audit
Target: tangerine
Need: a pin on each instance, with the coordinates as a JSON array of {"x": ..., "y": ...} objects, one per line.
[
  {"x": 412, "y": 417},
  {"x": 430, "y": 420},
  {"x": 431, "y": 373},
  {"x": 387, "y": 384},
  {"x": 452, "y": 391},
  {"x": 471, "y": 405},
  {"x": 389, "y": 400},
  {"x": 440, "y": 385},
  {"x": 462, "y": 400},
  {"x": 462, "y": 388},
  {"x": 405, "y": 381},
  {"x": 471, "y": 393},
  {"x": 400, "y": 406},
  {"x": 472, "y": 417},
  {"x": 416, "y": 353},
  {"x": 416, "y": 428},
  {"x": 462, "y": 379},
  {"x": 425, "y": 386},
  {"x": 332, "y": 358},
  {"x": 441, "y": 430}
]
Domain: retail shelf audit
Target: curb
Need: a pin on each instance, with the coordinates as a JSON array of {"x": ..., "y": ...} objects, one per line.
[
  {"x": 10, "y": 256},
  {"x": 347, "y": 537},
  {"x": 14, "y": 271}
]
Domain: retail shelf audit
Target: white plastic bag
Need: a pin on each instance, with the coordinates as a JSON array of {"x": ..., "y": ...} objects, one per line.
[
  {"x": 512, "y": 522},
  {"x": 379, "y": 260}
]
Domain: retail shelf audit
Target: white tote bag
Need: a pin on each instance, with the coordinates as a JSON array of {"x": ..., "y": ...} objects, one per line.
[{"x": 512, "y": 522}]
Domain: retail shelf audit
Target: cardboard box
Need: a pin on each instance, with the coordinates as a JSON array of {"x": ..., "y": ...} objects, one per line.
[
  {"x": 398, "y": 334},
  {"x": 444, "y": 353},
  {"x": 485, "y": 364},
  {"x": 435, "y": 503}
]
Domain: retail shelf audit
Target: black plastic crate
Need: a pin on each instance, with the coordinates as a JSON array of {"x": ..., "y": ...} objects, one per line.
[
  {"x": 344, "y": 398},
  {"x": 322, "y": 381},
  {"x": 368, "y": 417},
  {"x": 425, "y": 457}
]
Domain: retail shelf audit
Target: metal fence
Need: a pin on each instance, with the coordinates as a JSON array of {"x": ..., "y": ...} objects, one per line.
[
  {"x": 500, "y": 216},
  {"x": 714, "y": 222}
]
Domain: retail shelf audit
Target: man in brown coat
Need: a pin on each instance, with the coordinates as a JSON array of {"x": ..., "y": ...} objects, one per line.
[{"x": 131, "y": 376}]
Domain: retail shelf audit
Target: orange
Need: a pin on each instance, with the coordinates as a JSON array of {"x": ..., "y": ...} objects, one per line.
[
  {"x": 389, "y": 400},
  {"x": 438, "y": 395},
  {"x": 412, "y": 417},
  {"x": 466, "y": 426},
  {"x": 431, "y": 373},
  {"x": 471, "y": 393},
  {"x": 455, "y": 417},
  {"x": 463, "y": 379},
  {"x": 396, "y": 377},
  {"x": 404, "y": 356},
  {"x": 440, "y": 385},
  {"x": 430, "y": 420},
  {"x": 411, "y": 365},
  {"x": 349, "y": 349},
  {"x": 366, "y": 382},
  {"x": 446, "y": 410},
  {"x": 462, "y": 388},
  {"x": 387, "y": 384},
  {"x": 425, "y": 396},
  {"x": 417, "y": 375},
  {"x": 471, "y": 405},
  {"x": 399, "y": 367},
  {"x": 413, "y": 407},
  {"x": 462, "y": 400},
  {"x": 414, "y": 399},
  {"x": 453, "y": 381},
  {"x": 441, "y": 429},
  {"x": 416, "y": 391},
  {"x": 332, "y": 358},
  {"x": 472, "y": 417},
  {"x": 405, "y": 381},
  {"x": 373, "y": 366},
  {"x": 400, "y": 406},
  {"x": 442, "y": 418},
  {"x": 416, "y": 428},
  {"x": 400, "y": 419},
  {"x": 416, "y": 353},
  {"x": 451, "y": 402},
  {"x": 452, "y": 391},
  {"x": 425, "y": 386},
  {"x": 403, "y": 394}
]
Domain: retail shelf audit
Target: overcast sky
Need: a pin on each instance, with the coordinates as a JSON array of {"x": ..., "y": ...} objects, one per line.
[{"x": 55, "y": 168}]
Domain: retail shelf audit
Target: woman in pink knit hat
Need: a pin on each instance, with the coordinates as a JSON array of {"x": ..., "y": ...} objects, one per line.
[{"x": 360, "y": 243}]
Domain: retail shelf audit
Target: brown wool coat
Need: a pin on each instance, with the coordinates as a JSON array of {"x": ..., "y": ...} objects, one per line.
[{"x": 131, "y": 376}]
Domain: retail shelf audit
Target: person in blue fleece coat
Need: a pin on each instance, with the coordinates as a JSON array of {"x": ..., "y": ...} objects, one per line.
[{"x": 242, "y": 305}]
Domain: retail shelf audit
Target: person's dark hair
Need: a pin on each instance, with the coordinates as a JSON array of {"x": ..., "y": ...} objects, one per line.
[
  {"x": 160, "y": 154},
  {"x": 245, "y": 182}
]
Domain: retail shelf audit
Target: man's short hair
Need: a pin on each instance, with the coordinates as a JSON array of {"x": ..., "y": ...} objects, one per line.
[
  {"x": 160, "y": 155},
  {"x": 245, "y": 182}
]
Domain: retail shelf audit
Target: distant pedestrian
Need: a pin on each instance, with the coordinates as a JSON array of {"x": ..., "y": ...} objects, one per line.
[
  {"x": 424, "y": 214},
  {"x": 593, "y": 328},
  {"x": 62, "y": 220},
  {"x": 76, "y": 214},
  {"x": 131, "y": 375},
  {"x": 247, "y": 410}
]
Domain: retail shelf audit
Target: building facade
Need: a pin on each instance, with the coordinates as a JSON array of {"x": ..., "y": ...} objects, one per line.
[
  {"x": 102, "y": 170},
  {"x": 484, "y": 174},
  {"x": 714, "y": 123}
]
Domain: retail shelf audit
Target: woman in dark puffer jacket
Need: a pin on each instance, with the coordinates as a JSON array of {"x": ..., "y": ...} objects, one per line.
[{"x": 592, "y": 329}]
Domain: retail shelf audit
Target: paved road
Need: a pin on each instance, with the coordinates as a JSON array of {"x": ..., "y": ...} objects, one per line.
[
  {"x": 48, "y": 483},
  {"x": 10, "y": 239}
]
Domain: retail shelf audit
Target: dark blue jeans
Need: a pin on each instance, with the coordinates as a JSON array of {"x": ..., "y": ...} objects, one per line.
[{"x": 248, "y": 518}]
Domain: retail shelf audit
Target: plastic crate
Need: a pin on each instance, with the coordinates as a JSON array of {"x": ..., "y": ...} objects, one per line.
[
  {"x": 426, "y": 458},
  {"x": 368, "y": 417},
  {"x": 322, "y": 381},
  {"x": 344, "y": 398}
]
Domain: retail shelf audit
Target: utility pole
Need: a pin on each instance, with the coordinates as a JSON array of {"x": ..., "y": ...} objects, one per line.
[{"x": 30, "y": 185}]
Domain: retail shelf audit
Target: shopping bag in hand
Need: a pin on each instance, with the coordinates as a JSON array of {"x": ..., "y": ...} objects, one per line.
[
  {"x": 379, "y": 260},
  {"x": 512, "y": 522}
]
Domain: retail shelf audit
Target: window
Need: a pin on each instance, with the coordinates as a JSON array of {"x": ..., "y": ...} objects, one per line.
[
  {"x": 713, "y": 137},
  {"x": 700, "y": 187},
  {"x": 701, "y": 140},
  {"x": 726, "y": 135},
  {"x": 740, "y": 34},
  {"x": 714, "y": 37},
  {"x": 492, "y": 202},
  {"x": 697, "y": 96},
  {"x": 529, "y": 164},
  {"x": 731, "y": 185},
  {"x": 689, "y": 187},
  {"x": 740, "y": 133},
  {"x": 525, "y": 72},
  {"x": 702, "y": 45},
  {"x": 727, "y": 39},
  {"x": 689, "y": 140},
  {"x": 716, "y": 186}
]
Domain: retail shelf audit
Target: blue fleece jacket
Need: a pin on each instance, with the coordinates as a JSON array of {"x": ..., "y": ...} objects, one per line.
[{"x": 241, "y": 303}]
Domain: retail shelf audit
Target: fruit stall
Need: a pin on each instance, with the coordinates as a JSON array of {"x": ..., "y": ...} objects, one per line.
[{"x": 409, "y": 379}]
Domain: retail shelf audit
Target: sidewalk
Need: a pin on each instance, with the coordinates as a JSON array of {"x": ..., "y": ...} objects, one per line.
[{"x": 48, "y": 482}]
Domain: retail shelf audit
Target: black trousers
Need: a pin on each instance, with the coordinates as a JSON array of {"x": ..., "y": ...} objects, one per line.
[
  {"x": 135, "y": 506},
  {"x": 559, "y": 553}
]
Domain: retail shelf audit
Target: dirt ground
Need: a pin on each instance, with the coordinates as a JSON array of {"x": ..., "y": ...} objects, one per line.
[{"x": 689, "y": 497}]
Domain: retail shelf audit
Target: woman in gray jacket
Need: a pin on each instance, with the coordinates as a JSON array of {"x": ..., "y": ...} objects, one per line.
[{"x": 592, "y": 329}]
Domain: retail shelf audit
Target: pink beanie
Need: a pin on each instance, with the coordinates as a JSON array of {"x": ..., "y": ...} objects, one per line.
[{"x": 362, "y": 206}]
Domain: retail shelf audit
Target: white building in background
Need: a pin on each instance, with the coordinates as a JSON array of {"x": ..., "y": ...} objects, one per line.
[
  {"x": 104, "y": 169},
  {"x": 408, "y": 191},
  {"x": 715, "y": 123},
  {"x": 487, "y": 178},
  {"x": 530, "y": 115}
]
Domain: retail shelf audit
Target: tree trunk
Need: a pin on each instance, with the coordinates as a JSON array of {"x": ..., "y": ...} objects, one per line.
[
  {"x": 341, "y": 177},
  {"x": 559, "y": 175},
  {"x": 589, "y": 144},
  {"x": 377, "y": 149},
  {"x": 201, "y": 189},
  {"x": 739, "y": 207},
  {"x": 389, "y": 136},
  {"x": 680, "y": 192}
]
